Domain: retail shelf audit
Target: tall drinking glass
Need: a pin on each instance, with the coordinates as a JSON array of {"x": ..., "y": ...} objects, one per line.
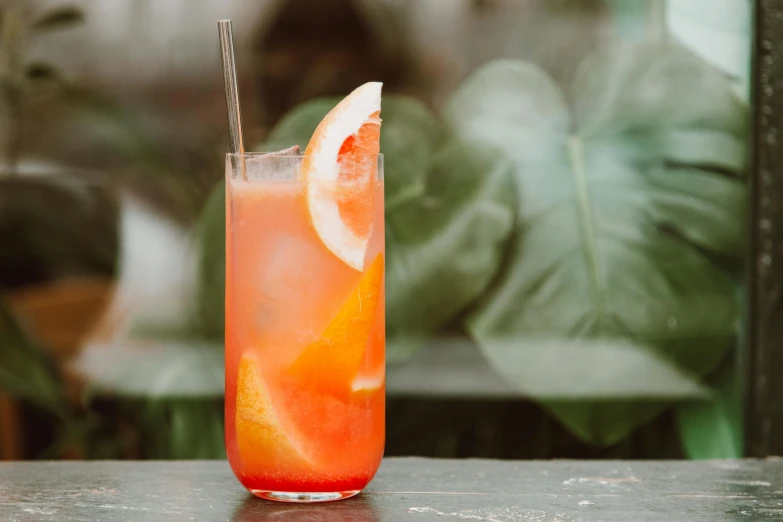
[{"x": 305, "y": 343}]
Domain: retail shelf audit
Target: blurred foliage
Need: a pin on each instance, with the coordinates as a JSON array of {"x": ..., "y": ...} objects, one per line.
[
  {"x": 581, "y": 217},
  {"x": 56, "y": 225},
  {"x": 209, "y": 313},
  {"x": 29, "y": 88},
  {"x": 713, "y": 428},
  {"x": 616, "y": 297},
  {"x": 26, "y": 370},
  {"x": 176, "y": 428},
  {"x": 446, "y": 200},
  {"x": 719, "y": 32},
  {"x": 143, "y": 408},
  {"x": 631, "y": 205},
  {"x": 510, "y": 429},
  {"x": 60, "y": 224},
  {"x": 29, "y": 373},
  {"x": 174, "y": 174},
  {"x": 19, "y": 79}
]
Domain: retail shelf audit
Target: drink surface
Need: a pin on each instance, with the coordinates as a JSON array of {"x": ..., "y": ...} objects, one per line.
[{"x": 304, "y": 345}]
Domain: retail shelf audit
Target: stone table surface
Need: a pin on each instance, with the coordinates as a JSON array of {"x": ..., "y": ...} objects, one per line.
[{"x": 405, "y": 489}]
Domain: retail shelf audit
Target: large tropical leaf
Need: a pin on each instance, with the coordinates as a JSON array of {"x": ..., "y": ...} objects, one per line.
[
  {"x": 445, "y": 247},
  {"x": 631, "y": 191},
  {"x": 449, "y": 211}
]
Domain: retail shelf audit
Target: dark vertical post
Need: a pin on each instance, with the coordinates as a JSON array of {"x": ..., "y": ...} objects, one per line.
[{"x": 764, "y": 391}]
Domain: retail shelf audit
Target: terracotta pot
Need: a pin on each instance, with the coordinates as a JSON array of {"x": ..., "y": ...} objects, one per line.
[{"x": 62, "y": 313}]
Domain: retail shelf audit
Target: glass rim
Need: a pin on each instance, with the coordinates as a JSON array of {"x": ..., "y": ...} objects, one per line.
[
  {"x": 266, "y": 166},
  {"x": 256, "y": 155}
]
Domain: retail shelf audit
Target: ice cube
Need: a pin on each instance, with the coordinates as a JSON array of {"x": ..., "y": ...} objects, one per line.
[{"x": 281, "y": 165}]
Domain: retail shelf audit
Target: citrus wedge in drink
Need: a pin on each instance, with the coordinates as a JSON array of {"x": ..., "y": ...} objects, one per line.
[
  {"x": 340, "y": 171},
  {"x": 332, "y": 362},
  {"x": 260, "y": 435}
]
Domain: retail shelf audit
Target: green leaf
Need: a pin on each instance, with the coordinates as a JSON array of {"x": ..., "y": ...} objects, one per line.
[
  {"x": 177, "y": 428},
  {"x": 410, "y": 136},
  {"x": 120, "y": 130},
  {"x": 154, "y": 369},
  {"x": 712, "y": 428},
  {"x": 630, "y": 190},
  {"x": 26, "y": 370},
  {"x": 196, "y": 430},
  {"x": 297, "y": 126},
  {"x": 537, "y": 365},
  {"x": 445, "y": 247},
  {"x": 211, "y": 241},
  {"x": 59, "y": 18},
  {"x": 29, "y": 373}
]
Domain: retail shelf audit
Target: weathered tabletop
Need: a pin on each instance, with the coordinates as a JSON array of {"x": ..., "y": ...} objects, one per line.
[{"x": 404, "y": 489}]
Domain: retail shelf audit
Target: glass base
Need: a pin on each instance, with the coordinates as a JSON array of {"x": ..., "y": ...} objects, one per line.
[{"x": 293, "y": 496}]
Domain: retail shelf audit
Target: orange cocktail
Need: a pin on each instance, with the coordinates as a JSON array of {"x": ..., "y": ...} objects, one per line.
[{"x": 305, "y": 310}]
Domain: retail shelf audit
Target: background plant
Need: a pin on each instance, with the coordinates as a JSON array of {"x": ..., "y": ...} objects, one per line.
[
  {"x": 618, "y": 293},
  {"x": 60, "y": 224},
  {"x": 630, "y": 226},
  {"x": 578, "y": 216},
  {"x": 20, "y": 79}
]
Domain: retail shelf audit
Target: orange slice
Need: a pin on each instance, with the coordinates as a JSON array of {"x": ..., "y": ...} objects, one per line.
[
  {"x": 261, "y": 439},
  {"x": 372, "y": 372},
  {"x": 331, "y": 363},
  {"x": 340, "y": 170}
]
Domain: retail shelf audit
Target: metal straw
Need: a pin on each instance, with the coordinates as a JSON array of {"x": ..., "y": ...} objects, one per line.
[{"x": 232, "y": 93}]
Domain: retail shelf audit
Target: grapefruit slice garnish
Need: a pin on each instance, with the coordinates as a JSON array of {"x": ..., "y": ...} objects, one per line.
[
  {"x": 332, "y": 362},
  {"x": 262, "y": 441},
  {"x": 340, "y": 169}
]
